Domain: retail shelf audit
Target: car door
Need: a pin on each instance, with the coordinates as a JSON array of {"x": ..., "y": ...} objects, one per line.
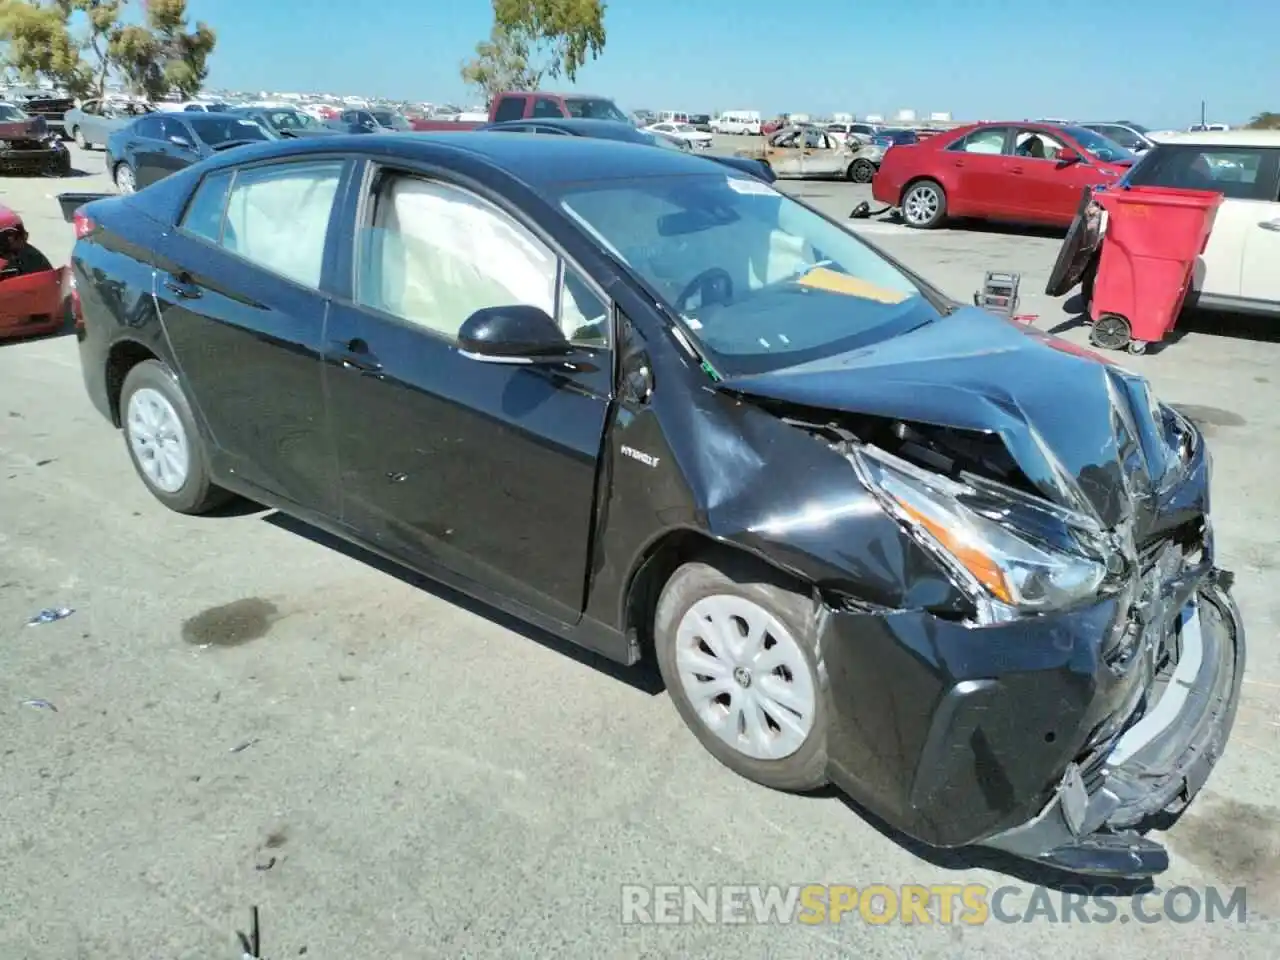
[
  {"x": 1045, "y": 188},
  {"x": 489, "y": 469},
  {"x": 820, "y": 156},
  {"x": 179, "y": 148},
  {"x": 145, "y": 147},
  {"x": 1260, "y": 219},
  {"x": 242, "y": 304},
  {"x": 783, "y": 152},
  {"x": 978, "y": 166}
]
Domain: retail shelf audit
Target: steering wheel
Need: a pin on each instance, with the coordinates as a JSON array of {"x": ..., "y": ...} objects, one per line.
[{"x": 715, "y": 285}]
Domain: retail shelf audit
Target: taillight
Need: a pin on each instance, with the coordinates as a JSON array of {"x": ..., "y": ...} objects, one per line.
[{"x": 83, "y": 225}]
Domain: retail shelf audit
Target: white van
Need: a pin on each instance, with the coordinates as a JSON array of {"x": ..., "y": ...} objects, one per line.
[{"x": 737, "y": 121}]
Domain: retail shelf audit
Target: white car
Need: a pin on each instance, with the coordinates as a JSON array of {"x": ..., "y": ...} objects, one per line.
[
  {"x": 683, "y": 131},
  {"x": 193, "y": 106},
  {"x": 1237, "y": 271}
]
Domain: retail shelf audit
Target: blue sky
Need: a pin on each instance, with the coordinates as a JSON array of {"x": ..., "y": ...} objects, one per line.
[{"x": 1152, "y": 61}]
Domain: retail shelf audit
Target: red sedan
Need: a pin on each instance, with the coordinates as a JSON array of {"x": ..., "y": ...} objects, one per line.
[{"x": 1020, "y": 172}]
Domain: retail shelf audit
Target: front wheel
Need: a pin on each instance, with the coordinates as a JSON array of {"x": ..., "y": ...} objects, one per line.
[
  {"x": 126, "y": 182},
  {"x": 924, "y": 205},
  {"x": 164, "y": 444},
  {"x": 861, "y": 171},
  {"x": 737, "y": 653}
]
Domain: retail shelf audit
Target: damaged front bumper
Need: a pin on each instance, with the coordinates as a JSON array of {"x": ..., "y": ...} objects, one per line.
[
  {"x": 1156, "y": 766},
  {"x": 1056, "y": 739}
]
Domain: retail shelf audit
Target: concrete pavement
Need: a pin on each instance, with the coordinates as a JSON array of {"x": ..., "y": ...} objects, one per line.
[{"x": 248, "y": 713}]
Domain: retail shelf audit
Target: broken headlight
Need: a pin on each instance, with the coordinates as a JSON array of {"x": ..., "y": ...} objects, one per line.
[{"x": 1003, "y": 552}]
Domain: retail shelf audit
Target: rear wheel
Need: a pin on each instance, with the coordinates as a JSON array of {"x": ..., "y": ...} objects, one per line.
[
  {"x": 924, "y": 205},
  {"x": 861, "y": 171},
  {"x": 126, "y": 183},
  {"x": 737, "y": 653},
  {"x": 164, "y": 444}
]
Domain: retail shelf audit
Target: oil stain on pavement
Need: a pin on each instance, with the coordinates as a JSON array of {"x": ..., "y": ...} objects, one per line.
[
  {"x": 231, "y": 624},
  {"x": 1208, "y": 419},
  {"x": 1236, "y": 843}
]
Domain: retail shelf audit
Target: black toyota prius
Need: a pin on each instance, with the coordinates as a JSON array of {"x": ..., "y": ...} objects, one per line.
[{"x": 961, "y": 569}]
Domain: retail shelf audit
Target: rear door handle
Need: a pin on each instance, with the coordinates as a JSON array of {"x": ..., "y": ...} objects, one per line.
[
  {"x": 959, "y": 163},
  {"x": 354, "y": 355},
  {"x": 181, "y": 287},
  {"x": 1272, "y": 225}
]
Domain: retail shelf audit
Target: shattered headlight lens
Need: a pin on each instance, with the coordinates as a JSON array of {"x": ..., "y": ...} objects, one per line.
[{"x": 983, "y": 546}]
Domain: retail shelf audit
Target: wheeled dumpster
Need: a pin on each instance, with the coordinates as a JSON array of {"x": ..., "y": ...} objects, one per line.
[{"x": 1150, "y": 241}]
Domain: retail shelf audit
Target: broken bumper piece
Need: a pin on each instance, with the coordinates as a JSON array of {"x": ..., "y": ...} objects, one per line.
[{"x": 1091, "y": 824}]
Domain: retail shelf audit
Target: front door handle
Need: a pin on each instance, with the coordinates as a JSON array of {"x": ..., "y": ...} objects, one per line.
[
  {"x": 959, "y": 163},
  {"x": 1017, "y": 171},
  {"x": 355, "y": 355},
  {"x": 182, "y": 287},
  {"x": 1272, "y": 225}
]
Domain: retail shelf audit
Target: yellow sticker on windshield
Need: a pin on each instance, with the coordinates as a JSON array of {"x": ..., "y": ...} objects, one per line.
[{"x": 820, "y": 278}]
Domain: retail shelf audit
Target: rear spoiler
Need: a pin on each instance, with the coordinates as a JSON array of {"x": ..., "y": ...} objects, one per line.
[{"x": 71, "y": 202}]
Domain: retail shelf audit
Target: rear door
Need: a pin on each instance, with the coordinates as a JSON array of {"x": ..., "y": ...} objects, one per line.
[
  {"x": 488, "y": 468},
  {"x": 980, "y": 169},
  {"x": 243, "y": 306}
]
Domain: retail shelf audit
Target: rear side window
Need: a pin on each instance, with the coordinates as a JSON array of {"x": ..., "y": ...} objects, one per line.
[
  {"x": 277, "y": 217},
  {"x": 510, "y": 108},
  {"x": 204, "y": 214},
  {"x": 988, "y": 140},
  {"x": 1240, "y": 173}
]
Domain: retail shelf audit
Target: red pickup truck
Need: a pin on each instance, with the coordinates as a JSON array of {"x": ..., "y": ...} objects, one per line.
[{"x": 528, "y": 105}]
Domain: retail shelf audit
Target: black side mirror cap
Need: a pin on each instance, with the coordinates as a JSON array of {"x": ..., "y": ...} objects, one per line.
[{"x": 513, "y": 334}]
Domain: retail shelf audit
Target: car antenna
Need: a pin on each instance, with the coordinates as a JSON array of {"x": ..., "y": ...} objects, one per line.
[{"x": 251, "y": 945}]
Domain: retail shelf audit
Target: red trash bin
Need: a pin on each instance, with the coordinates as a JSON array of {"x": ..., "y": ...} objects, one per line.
[{"x": 1153, "y": 237}]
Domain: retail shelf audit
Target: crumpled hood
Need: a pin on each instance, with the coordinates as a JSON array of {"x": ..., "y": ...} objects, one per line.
[{"x": 1083, "y": 430}]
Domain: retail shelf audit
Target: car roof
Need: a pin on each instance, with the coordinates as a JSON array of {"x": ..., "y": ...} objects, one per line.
[
  {"x": 1224, "y": 138},
  {"x": 533, "y": 160}
]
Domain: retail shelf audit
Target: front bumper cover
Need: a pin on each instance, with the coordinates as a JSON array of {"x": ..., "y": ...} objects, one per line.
[{"x": 1156, "y": 765}]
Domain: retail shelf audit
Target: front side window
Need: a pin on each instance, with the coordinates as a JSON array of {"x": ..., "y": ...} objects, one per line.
[
  {"x": 435, "y": 254},
  {"x": 1038, "y": 145},
  {"x": 150, "y": 127},
  {"x": 760, "y": 280},
  {"x": 592, "y": 108},
  {"x": 277, "y": 217},
  {"x": 1100, "y": 147},
  {"x": 1241, "y": 173},
  {"x": 204, "y": 214}
]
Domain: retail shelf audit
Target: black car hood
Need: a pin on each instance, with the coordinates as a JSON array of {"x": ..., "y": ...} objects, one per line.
[{"x": 1086, "y": 433}]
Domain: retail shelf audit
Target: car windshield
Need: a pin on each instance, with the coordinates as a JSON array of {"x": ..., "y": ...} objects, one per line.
[
  {"x": 761, "y": 281},
  {"x": 1096, "y": 145},
  {"x": 594, "y": 108},
  {"x": 9, "y": 113},
  {"x": 218, "y": 128},
  {"x": 290, "y": 120},
  {"x": 391, "y": 120}
]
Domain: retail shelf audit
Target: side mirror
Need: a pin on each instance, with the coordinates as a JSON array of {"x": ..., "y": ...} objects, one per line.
[
  {"x": 513, "y": 334},
  {"x": 1067, "y": 155},
  {"x": 183, "y": 142}
]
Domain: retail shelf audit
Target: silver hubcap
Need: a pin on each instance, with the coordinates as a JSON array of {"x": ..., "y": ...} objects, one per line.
[
  {"x": 922, "y": 205},
  {"x": 79, "y": 138},
  {"x": 124, "y": 179},
  {"x": 746, "y": 677},
  {"x": 159, "y": 443}
]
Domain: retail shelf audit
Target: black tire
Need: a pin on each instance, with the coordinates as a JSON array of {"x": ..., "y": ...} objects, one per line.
[
  {"x": 198, "y": 494},
  {"x": 62, "y": 166},
  {"x": 939, "y": 210},
  {"x": 78, "y": 136},
  {"x": 806, "y": 768},
  {"x": 861, "y": 171}
]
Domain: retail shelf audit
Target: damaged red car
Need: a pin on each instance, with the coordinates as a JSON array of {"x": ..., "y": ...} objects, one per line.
[
  {"x": 31, "y": 289},
  {"x": 663, "y": 410}
]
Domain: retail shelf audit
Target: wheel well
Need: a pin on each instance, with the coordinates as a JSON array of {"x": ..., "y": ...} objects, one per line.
[
  {"x": 672, "y": 551},
  {"x": 124, "y": 356},
  {"x": 913, "y": 181}
]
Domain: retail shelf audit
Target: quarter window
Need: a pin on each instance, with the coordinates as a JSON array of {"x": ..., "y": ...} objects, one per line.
[
  {"x": 277, "y": 217},
  {"x": 436, "y": 254}
]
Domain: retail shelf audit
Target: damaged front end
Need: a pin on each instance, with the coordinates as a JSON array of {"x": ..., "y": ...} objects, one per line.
[{"x": 1091, "y": 683}]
